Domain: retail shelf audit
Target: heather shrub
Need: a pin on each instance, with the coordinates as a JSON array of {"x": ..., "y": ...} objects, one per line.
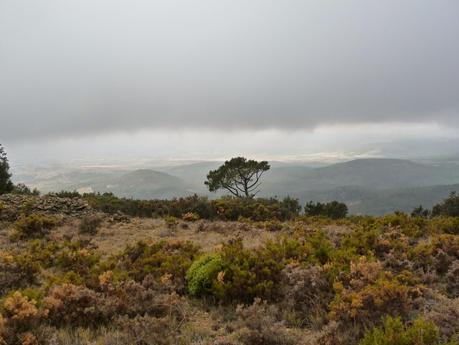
[
  {"x": 130, "y": 298},
  {"x": 306, "y": 292},
  {"x": 393, "y": 242},
  {"x": 320, "y": 247},
  {"x": 413, "y": 227},
  {"x": 90, "y": 224},
  {"x": 452, "y": 280},
  {"x": 444, "y": 313},
  {"x": 73, "y": 257},
  {"x": 43, "y": 252},
  {"x": 109, "y": 203},
  {"x": 190, "y": 217},
  {"x": 171, "y": 221},
  {"x": 34, "y": 226},
  {"x": 17, "y": 271},
  {"x": 436, "y": 253},
  {"x": 161, "y": 324},
  {"x": 20, "y": 315},
  {"x": 69, "y": 304},
  {"x": 445, "y": 225},
  {"x": 239, "y": 274},
  {"x": 258, "y": 324},
  {"x": 65, "y": 262},
  {"x": 272, "y": 225},
  {"x": 369, "y": 293},
  {"x": 248, "y": 274},
  {"x": 394, "y": 332},
  {"x": 149, "y": 330},
  {"x": 157, "y": 259},
  {"x": 362, "y": 240},
  {"x": 226, "y": 208},
  {"x": 27, "y": 206},
  {"x": 231, "y": 208},
  {"x": 177, "y": 207}
]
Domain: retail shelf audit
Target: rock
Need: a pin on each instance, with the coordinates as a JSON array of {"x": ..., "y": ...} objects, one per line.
[{"x": 13, "y": 205}]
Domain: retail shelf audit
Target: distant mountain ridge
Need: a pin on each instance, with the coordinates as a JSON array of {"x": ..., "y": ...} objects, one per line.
[
  {"x": 368, "y": 186},
  {"x": 362, "y": 200}
]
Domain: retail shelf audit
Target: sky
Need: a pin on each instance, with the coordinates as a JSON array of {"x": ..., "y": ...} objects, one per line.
[{"x": 205, "y": 79}]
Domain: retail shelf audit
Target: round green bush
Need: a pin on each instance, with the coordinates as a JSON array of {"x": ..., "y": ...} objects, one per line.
[{"x": 203, "y": 273}]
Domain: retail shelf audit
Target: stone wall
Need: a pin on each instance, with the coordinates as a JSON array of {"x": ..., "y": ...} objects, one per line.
[{"x": 12, "y": 206}]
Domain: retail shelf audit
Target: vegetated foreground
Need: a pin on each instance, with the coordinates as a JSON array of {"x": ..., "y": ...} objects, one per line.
[{"x": 71, "y": 274}]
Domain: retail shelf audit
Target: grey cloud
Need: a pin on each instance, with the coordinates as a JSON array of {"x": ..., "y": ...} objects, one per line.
[{"x": 89, "y": 66}]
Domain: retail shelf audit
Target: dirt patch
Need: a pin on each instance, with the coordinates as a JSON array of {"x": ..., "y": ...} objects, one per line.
[{"x": 113, "y": 237}]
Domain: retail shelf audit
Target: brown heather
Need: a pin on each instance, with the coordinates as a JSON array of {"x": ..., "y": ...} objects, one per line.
[{"x": 222, "y": 272}]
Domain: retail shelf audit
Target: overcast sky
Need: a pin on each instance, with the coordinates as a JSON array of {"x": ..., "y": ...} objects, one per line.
[{"x": 208, "y": 78}]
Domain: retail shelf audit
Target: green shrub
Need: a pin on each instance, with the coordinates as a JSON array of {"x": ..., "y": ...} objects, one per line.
[
  {"x": 394, "y": 332},
  {"x": 17, "y": 271},
  {"x": 368, "y": 292},
  {"x": 171, "y": 221},
  {"x": 445, "y": 225},
  {"x": 363, "y": 239},
  {"x": 435, "y": 254},
  {"x": 333, "y": 210},
  {"x": 66, "y": 194},
  {"x": 19, "y": 315},
  {"x": 420, "y": 211},
  {"x": 63, "y": 261},
  {"x": 231, "y": 208},
  {"x": 109, "y": 203},
  {"x": 22, "y": 189},
  {"x": 203, "y": 273},
  {"x": 226, "y": 208},
  {"x": 73, "y": 257},
  {"x": 410, "y": 226},
  {"x": 90, "y": 224},
  {"x": 34, "y": 226},
  {"x": 247, "y": 274},
  {"x": 320, "y": 246},
  {"x": 448, "y": 207},
  {"x": 190, "y": 217},
  {"x": 157, "y": 259},
  {"x": 239, "y": 274},
  {"x": 272, "y": 225},
  {"x": 74, "y": 305}
]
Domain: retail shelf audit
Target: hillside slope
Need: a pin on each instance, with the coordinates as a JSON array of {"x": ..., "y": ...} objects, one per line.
[
  {"x": 145, "y": 184},
  {"x": 368, "y": 186}
]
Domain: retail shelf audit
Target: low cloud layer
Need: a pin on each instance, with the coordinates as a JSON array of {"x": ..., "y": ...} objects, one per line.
[
  {"x": 328, "y": 144},
  {"x": 93, "y": 66}
]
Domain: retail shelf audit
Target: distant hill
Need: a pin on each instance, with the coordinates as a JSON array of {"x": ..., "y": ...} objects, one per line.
[
  {"x": 361, "y": 200},
  {"x": 145, "y": 184},
  {"x": 368, "y": 186},
  {"x": 379, "y": 173},
  {"x": 140, "y": 184},
  {"x": 194, "y": 174},
  {"x": 367, "y": 173}
]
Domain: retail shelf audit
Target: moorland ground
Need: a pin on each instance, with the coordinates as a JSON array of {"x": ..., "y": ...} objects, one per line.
[{"x": 75, "y": 275}]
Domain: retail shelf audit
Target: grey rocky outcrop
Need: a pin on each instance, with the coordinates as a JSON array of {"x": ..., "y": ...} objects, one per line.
[{"x": 12, "y": 206}]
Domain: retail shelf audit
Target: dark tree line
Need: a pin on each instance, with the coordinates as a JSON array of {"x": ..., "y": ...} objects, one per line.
[{"x": 6, "y": 185}]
